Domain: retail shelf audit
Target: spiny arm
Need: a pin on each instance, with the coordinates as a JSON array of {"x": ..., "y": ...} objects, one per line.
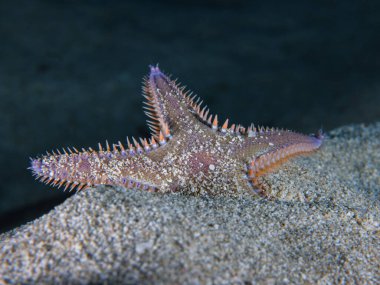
[
  {"x": 170, "y": 108},
  {"x": 129, "y": 167},
  {"x": 267, "y": 148}
]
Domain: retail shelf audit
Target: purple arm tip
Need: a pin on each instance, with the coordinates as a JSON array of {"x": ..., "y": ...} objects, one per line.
[
  {"x": 154, "y": 69},
  {"x": 318, "y": 138},
  {"x": 35, "y": 166}
]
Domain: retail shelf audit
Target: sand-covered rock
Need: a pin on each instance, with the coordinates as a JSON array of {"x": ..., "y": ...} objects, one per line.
[{"x": 322, "y": 228}]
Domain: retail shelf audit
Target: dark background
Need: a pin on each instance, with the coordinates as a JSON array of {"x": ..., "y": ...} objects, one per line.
[{"x": 71, "y": 71}]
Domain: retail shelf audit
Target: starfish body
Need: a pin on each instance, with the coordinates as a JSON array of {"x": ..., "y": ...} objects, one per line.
[{"x": 189, "y": 151}]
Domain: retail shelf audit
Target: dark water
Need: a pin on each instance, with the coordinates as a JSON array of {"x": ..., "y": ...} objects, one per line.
[{"x": 70, "y": 72}]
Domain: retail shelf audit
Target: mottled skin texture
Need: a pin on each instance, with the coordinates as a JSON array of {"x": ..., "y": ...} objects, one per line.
[{"x": 188, "y": 152}]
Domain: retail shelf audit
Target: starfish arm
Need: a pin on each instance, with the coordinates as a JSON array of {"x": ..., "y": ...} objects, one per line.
[
  {"x": 267, "y": 149},
  {"x": 171, "y": 108},
  {"x": 130, "y": 168}
]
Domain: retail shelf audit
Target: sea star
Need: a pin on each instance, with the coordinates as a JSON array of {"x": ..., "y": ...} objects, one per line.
[{"x": 188, "y": 150}]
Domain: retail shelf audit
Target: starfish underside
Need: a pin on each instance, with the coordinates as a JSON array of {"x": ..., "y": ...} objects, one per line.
[{"x": 188, "y": 151}]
